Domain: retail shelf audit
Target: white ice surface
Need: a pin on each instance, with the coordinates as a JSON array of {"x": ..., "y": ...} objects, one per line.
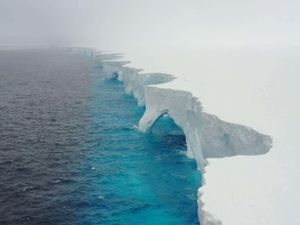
[{"x": 257, "y": 87}]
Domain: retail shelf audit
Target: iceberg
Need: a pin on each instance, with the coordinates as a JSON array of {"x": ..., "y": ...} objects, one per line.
[{"x": 207, "y": 136}]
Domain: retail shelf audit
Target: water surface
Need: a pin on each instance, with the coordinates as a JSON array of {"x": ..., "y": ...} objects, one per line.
[{"x": 69, "y": 152}]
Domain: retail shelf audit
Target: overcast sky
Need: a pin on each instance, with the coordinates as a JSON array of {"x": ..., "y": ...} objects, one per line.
[{"x": 114, "y": 24}]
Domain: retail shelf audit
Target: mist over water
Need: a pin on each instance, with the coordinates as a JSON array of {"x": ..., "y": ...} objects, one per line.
[
  {"x": 144, "y": 24},
  {"x": 70, "y": 153}
]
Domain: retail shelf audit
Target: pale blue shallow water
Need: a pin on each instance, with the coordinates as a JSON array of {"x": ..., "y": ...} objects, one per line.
[{"x": 88, "y": 164}]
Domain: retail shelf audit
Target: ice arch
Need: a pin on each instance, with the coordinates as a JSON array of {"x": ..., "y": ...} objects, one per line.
[
  {"x": 206, "y": 135},
  {"x": 183, "y": 110}
]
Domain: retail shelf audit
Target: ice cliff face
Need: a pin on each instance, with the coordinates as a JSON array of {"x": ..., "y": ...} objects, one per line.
[
  {"x": 206, "y": 135},
  {"x": 134, "y": 80}
]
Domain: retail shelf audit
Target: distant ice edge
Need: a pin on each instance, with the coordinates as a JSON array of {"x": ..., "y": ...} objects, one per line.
[{"x": 206, "y": 135}]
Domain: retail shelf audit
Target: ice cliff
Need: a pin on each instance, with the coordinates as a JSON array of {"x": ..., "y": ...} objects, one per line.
[{"x": 207, "y": 136}]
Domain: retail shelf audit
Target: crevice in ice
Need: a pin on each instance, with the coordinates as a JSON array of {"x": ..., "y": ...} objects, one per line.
[{"x": 207, "y": 136}]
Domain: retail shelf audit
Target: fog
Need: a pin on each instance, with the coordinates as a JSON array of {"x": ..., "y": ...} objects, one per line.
[{"x": 126, "y": 24}]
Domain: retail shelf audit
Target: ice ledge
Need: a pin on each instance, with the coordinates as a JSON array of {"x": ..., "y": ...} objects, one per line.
[{"x": 207, "y": 136}]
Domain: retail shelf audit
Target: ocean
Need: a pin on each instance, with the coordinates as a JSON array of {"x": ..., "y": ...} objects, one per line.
[{"x": 70, "y": 152}]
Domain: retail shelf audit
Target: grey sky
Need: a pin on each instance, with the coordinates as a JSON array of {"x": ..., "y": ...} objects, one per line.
[{"x": 125, "y": 23}]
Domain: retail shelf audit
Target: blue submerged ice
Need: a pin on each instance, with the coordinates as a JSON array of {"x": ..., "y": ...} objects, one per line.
[{"x": 131, "y": 177}]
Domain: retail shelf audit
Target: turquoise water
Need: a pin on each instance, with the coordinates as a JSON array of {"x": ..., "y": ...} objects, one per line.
[{"x": 130, "y": 177}]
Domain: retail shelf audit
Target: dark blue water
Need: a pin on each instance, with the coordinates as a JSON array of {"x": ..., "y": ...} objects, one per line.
[{"x": 69, "y": 152}]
